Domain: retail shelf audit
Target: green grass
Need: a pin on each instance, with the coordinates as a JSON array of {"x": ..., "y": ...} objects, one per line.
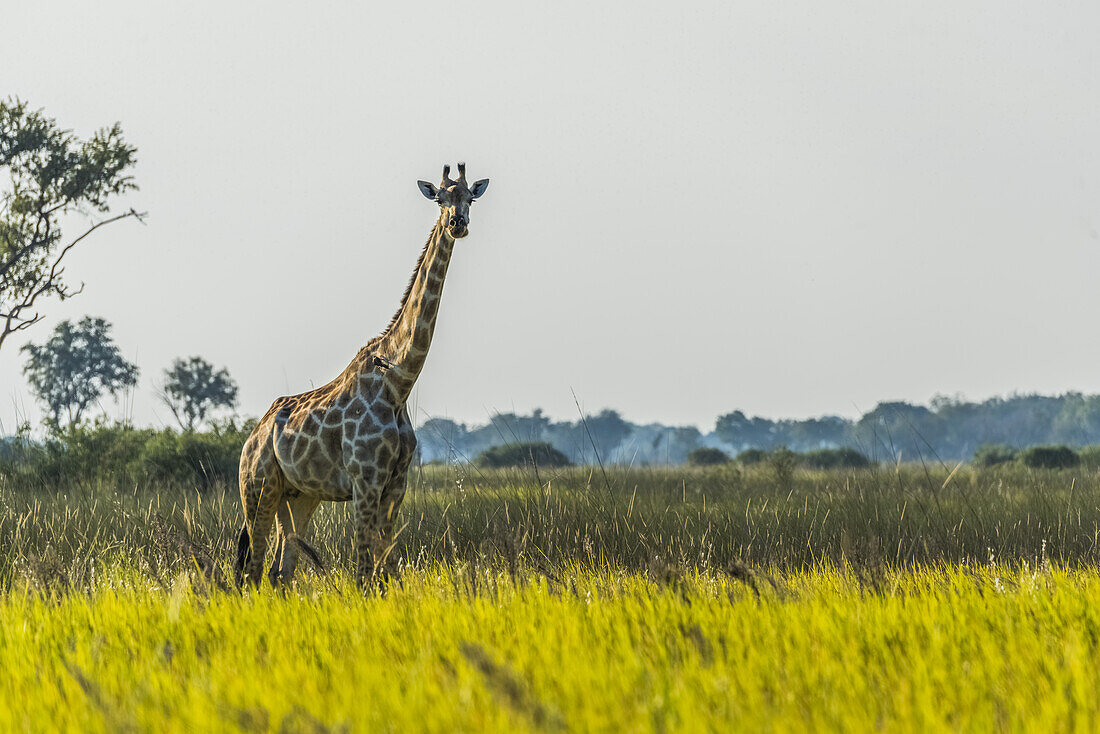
[
  {"x": 648, "y": 600},
  {"x": 965, "y": 648},
  {"x": 696, "y": 518}
]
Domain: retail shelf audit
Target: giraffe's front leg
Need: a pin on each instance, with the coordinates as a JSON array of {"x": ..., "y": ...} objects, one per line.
[
  {"x": 392, "y": 497},
  {"x": 367, "y": 495}
]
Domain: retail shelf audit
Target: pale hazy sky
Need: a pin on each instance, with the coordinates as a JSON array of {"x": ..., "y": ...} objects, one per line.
[{"x": 785, "y": 208}]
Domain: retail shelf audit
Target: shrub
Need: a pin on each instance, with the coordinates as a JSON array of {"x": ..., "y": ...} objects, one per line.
[
  {"x": 842, "y": 458},
  {"x": 201, "y": 458},
  {"x": 752, "y": 456},
  {"x": 122, "y": 454},
  {"x": 992, "y": 454},
  {"x": 537, "y": 453},
  {"x": 782, "y": 462},
  {"x": 1090, "y": 456},
  {"x": 87, "y": 453},
  {"x": 707, "y": 457},
  {"x": 1049, "y": 457}
]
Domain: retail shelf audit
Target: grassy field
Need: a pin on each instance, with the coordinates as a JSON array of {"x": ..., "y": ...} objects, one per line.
[{"x": 665, "y": 600}]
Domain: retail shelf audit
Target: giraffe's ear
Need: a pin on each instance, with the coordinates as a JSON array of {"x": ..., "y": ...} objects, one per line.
[
  {"x": 428, "y": 190},
  {"x": 479, "y": 187}
]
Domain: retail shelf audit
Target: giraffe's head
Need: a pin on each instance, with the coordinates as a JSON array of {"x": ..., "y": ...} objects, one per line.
[{"x": 454, "y": 199}]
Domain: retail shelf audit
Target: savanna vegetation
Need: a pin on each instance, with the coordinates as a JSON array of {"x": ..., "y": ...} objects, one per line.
[
  {"x": 782, "y": 589},
  {"x": 552, "y": 575},
  {"x": 772, "y": 595}
]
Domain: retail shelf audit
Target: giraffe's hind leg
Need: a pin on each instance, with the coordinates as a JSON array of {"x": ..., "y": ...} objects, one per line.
[
  {"x": 291, "y": 518},
  {"x": 244, "y": 553}
]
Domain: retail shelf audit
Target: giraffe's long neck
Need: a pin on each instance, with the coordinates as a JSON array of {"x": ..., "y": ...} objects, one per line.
[{"x": 406, "y": 341}]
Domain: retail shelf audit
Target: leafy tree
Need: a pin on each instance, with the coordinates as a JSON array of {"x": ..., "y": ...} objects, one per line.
[
  {"x": 901, "y": 430},
  {"x": 828, "y": 431},
  {"x": 504, "y": 428},
  {"x": 192, "y": 388},
  {"x": 75, "y": 367},
  {"x": 512, "y": 428},
  {"x": 608, "y": 430},
  {"x": 738, "y": 430},
  {"x": 442, "y": 439},
  {"x": 53, "y": 175},
  {"x": 1078, "y": 421},
  {"x": 675, "y": 442},
  {"x": 706, "y": 456}
]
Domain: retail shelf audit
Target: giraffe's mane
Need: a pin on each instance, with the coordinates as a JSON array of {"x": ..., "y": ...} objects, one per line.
[{"x": 412, "y": 280}]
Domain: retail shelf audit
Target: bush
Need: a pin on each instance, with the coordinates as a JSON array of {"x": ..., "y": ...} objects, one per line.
[
  {"x": 1089, "y": 456},
  {"x": 122, "y": 454},
  {"x": 992, "y": 454},
  {"x": 752, "y": 456},
  {"x": 188, "y": 457},
  {"x": 782, "y": 462},
  {"x": 1049, "y": 457},
  {"x": 707, "y": 457},
  {"x": 87, "y": 454},
  {"x": 843, "y": 458},
  {"x": 537, "y": 453}
]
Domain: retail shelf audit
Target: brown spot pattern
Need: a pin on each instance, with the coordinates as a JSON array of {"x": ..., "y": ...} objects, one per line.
[{"x": 352, "y": 438}]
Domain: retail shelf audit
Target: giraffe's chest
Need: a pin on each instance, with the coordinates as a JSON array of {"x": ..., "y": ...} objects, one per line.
[
  {"x": 323, "y": 449},
  {"x": 380, "y": 435}
]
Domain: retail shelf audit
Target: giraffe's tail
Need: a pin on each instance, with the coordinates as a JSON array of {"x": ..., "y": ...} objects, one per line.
[
  {"x": 244, "y": 554},
  {"x": 311, "y": 554}
]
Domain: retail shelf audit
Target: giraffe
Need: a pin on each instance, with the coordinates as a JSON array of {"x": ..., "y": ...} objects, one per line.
[{"x": 352, "y": 439}]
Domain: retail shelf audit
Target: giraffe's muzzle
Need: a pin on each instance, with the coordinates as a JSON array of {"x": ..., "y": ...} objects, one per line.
[{"x": 458, "y": 227}]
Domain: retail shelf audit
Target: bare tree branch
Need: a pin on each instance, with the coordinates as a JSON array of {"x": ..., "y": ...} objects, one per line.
[
  {"x": 170, "y": 403},
  {"x": 13, "y": 319}
]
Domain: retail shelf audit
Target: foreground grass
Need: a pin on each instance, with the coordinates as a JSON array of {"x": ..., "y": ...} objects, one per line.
[
  {"x": 905, "y": 598},
  {"x": 964, "y": 647}
]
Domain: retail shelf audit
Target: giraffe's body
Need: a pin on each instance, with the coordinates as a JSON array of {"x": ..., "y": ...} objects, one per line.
[{"x": 352, "y": 439}]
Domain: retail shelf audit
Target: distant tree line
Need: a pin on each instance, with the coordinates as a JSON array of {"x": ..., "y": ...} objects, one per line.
[
  {"x": 948, "y": 429},
  {"x": 952, "y": 428},
  {"x": 80, "y": 364},
  {"x": 605, "y": 437}
]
